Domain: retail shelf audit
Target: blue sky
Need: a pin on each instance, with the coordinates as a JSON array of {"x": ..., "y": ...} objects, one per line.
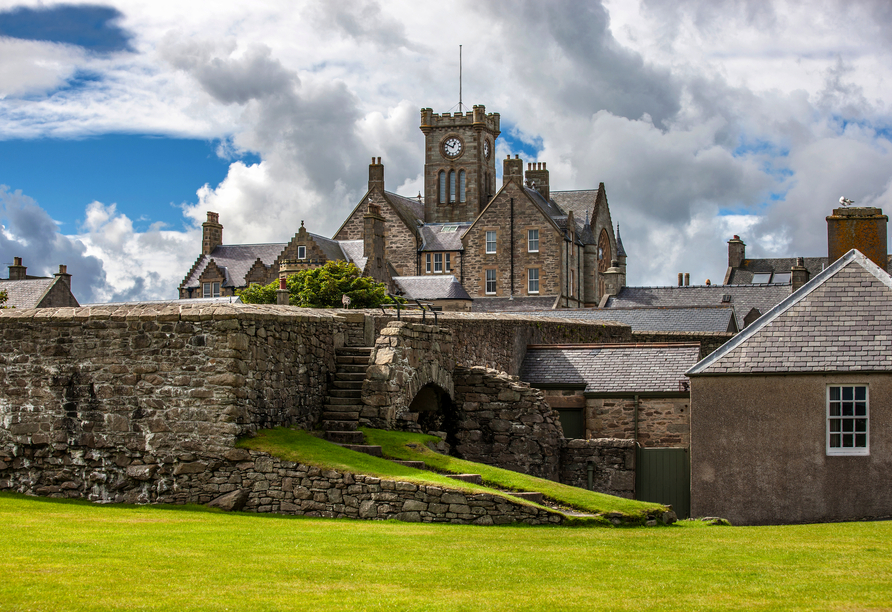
[
  {"x": 148, "y": 177},
  {"x": 703, "y": 120}
]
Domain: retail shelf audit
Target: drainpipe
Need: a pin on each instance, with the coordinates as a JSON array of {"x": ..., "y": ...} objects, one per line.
[
  {"x": 512, "y": 250},
  {"x": 566, "y": 272},
  {"x": 636, "y": 419}
]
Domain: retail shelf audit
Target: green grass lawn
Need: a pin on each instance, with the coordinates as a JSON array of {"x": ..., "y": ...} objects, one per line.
[
  {"x": 76, "y": 556},
  {"x": 300, "y": 446}
]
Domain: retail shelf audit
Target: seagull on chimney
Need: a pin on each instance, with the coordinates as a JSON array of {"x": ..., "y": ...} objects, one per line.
[{"x": 845, "y": 201}]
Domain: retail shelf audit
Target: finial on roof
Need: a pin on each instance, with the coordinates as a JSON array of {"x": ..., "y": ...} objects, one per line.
[
  {"x": 301, "y": 222},
  {"x": 620, "y": 251}
]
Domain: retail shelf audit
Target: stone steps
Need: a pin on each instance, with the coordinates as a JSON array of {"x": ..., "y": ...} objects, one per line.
[
  {"x": 418, "y": 465},
  {"x": 533, "y": 496},
  {"x": 368, "y": 449},
  {"x": 340, "y": 416},
  {"x": 472, "y": 478}
]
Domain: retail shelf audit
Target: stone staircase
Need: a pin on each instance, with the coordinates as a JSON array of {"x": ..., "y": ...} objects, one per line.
[{"x": 340, "y": 416}]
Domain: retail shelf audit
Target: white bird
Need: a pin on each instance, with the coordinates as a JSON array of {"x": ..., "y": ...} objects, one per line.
[{"x": 845, "y": 201}]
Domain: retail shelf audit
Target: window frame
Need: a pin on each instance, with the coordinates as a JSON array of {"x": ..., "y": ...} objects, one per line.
[
  {"x": 487, "y": 280},
  {"x": 438, "y": 263},
  {"x": 530, "y": 280},
  {"x": 842, "y": 419},
  {"x": 427, "y": 263},
  {"x": 493, "y": 242},
  {"x": 301, "y": 252},
  {"x": 530, "y": 241},
  {"x": 448, "y": 263}
]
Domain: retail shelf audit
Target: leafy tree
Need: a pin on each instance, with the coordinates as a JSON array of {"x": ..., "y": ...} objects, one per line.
[
  {"x": 323, "y": 287},
  {"x": 3, "y": 298}
]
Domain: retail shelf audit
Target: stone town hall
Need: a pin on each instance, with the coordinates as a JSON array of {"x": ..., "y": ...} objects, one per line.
[{"x": 466, "y": 244}]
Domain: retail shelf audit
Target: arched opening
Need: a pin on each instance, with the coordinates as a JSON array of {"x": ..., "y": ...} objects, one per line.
[{"x": 436, "y": 411}]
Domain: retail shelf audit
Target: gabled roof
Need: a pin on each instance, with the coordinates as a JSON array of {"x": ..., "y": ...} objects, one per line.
[
  {"x": 719, "y": 319},
  {"x": 434, "y": 238},
  {"x": 581, "y": 202},
  {"x": 743, "y": 275},
  {"x": 330, "y": 248},
  {"x": 410, "y": 209},
  {"x": 839, "y": 321},
  {"x": 742, "y": 298},
  {"x": 610, "y": 368},
  {"x": 26, "y": 293},
  {"x": 354, "y": 250},
  {"x": 437, "y": 287},
  {"x": 236, "y": 260},
  {"x": 535, "y": 198}
]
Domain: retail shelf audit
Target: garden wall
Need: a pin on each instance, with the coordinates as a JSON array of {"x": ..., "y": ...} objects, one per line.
[{"x": 613, "y": 461}]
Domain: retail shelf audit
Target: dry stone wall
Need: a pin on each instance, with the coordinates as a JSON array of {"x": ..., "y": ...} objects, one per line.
[
  {"x": 504, "y": 422},
  {"x": 171, "y": 379},
  {"x": 612, "y": 461}
]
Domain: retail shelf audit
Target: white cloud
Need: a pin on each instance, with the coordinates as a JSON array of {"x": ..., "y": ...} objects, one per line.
[{"x": 685, "y": 110}]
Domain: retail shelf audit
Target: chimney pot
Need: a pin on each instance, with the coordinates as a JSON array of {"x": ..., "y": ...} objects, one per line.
[
  {"x": 687, "y": 279},
  {"x": 16, "y": 261},
  {"x": 680, "y": 279}
]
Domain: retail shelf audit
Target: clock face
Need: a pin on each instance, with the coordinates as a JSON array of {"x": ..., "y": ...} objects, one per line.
[
  {"x": 452, "y": 147},
  {"x": 486, "y": 150}
]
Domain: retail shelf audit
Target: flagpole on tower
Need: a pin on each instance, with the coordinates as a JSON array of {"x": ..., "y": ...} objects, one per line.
[{"x": 459, "y": 78}]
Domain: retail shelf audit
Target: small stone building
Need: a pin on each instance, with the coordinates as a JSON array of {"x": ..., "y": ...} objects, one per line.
[
  {"x": 635, "y": 392},
  {"x": 791, "y": 421},
  {"x": 26, "y": 291}
]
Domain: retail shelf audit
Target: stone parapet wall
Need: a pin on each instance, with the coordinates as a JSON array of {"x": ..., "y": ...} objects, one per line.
[
  {"x": 253, "y": 482},
  {"x": 165, "y": 378},
  {"x": 503, "y": 422},
  {"x": 613, "y": 461},
  {"x": 499, "y": 341},
  {"x": 407, "y": 356},
  {"x": 709, "y": 341}
]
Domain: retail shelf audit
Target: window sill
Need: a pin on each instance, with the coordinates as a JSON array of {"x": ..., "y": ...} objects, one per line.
[{"x": 854, "y": 452}]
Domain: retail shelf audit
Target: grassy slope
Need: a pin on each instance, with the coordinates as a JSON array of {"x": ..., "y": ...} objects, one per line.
[
  {"x": 77, "y": 556},
  {"x": 302, "y": 447}
]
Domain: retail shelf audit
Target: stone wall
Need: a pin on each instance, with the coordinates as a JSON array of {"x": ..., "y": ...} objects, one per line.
[
  {"x": 400, "y": 242},
  {"x": 168, "y": 378},
  {"x": 709, "y": 341},
  {"x": 499, "y": 341},
  {"x": 662, "y": 421},
  {"x": 613, "y": 461},
  {"x": 253, "y": 482},
  {"x": 504, "y": 422},
  {"x": 407, "y": 356}
]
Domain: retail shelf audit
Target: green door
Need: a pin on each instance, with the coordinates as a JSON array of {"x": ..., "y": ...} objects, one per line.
[{"x": 663, "y": 475}]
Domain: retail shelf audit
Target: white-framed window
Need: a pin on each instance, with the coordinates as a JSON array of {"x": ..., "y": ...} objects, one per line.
[
  {"x": 490, "y": 282},
  {"x": 448, "y": 262},
  {"x": 438, "y": 263},
  {"x": 301, "y": 252},
  {"x": 533, "y": 280},
  {"x": 491, "y": 241},
  {"x": 210, "y": 290},
  {"x": 848, "y": 414},
  {"x": 427, "y": 263},
  {"x": 533, "y": 241}
]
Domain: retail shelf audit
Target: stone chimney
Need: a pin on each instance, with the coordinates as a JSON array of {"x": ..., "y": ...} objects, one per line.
[
  {"x": 373, "y": 233},
  {"x": 858, "y": 228},
  {"x": 537, "y": 176},
  {"x": 798, "y": 274},
  {"x": 63, "y": 276},
  {"x": 211, "y": 233},
  {"x": 17, "y": 270},
  {"x": 736, "y": 252},
  {"x": 614, "y": 278},
  {"x": 376, "y": 175},
  {"x": 512, "y": 169}
]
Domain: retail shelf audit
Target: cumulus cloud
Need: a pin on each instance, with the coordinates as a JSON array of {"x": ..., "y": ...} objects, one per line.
[{"x": 704, "y": 118}]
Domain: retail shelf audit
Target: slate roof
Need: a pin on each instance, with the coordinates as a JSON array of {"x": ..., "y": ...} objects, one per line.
[
  {"x": 743, "y": 275},
  {"x": 581, "y": 202},
  {"x": 435, "y": 287},
  {"x": 26, "y": 293},
  {"x": 354, "y": 249},
  {"x": 518, "y": 304},
  {"x": 433, "y": 238},
  {"x": 657, "y": 318},
  {"x": 743, "y": 297},
  {"x": 839, "y": 321},
  {"x": 410, "y": 209},
  {"x": 611, "y": 368},
  {"x": 236, "y": 261},
  {"x": 329, "y": 247},
  {"x": 550, "y": 208}
]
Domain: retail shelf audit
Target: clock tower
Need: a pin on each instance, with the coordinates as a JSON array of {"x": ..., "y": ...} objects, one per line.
[{"x": 459, "y": 163}]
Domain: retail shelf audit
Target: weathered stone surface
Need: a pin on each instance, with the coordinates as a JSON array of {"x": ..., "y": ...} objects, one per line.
[
  {"x": 232, "y": 501},
  {"x": 141, "y": 472}
]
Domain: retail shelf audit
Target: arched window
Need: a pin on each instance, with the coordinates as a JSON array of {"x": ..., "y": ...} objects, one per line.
[
  {"x": 452, "y": 185},
  {"x": 442, "y": 187},
  {"x": 461, "y": 186}
]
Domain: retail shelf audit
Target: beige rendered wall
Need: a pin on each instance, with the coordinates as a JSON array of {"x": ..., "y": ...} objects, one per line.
[{"x": 758, "y": 451}]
